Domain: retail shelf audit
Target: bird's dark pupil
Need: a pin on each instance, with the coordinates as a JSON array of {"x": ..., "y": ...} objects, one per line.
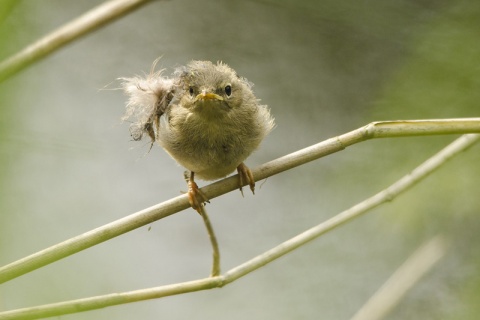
[
  {"x": 228, "y": 90},
  {"x": 190, "y": 90}
]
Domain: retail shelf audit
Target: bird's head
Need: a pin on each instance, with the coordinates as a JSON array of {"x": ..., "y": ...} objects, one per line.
[{"x": 212, "y": 89}]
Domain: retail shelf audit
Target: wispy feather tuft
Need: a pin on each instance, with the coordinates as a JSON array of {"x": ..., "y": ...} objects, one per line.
[{"x": 149, "y": 96}]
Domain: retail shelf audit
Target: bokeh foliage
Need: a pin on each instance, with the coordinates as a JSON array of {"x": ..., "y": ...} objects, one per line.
[{"x": 324, "y": 67}]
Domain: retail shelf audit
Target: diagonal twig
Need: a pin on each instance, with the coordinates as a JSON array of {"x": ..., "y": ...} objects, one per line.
[
  {"x": 88, "y": 22},
  {"x": 174, "y": 205},
  {"x": 386, "y": 195},
  {"x": 404, "y": 278}
]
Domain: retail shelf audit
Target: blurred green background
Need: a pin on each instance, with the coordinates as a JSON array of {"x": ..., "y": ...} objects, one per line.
[{"x": 68, "y": 165}]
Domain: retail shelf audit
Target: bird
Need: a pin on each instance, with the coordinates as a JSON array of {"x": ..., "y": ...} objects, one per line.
[{"x": 205, "y": 116}]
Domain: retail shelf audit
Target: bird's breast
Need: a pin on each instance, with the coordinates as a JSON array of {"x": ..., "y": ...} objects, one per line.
[{"x": 212, "y": 149}]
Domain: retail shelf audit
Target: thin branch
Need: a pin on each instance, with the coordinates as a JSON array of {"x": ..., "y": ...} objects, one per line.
[
  {"x": 421, "y": 172},
  {"x": 213, "y": 240},
  {"x": 388, "y": 194},
  {"x": 174, "y": 205},
  {"x": 92, "y": 303},
  {"x": 88, "y": 22},
  {"x": 404, "y": 278}
]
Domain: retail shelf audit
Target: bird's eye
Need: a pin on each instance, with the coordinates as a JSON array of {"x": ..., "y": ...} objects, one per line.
[
  {"x": 228, "y": 90},
  {"x": 191, "y": 91}
]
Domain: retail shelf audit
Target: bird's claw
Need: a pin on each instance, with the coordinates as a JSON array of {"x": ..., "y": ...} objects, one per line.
[
  {"x": 195, "y": 196},
  {"x": 245, "y": 176}
]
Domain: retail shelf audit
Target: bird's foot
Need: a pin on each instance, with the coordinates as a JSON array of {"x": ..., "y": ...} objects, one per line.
[
  {"x": 245, "y": 176},
  {"x": 195, "y": 196}
]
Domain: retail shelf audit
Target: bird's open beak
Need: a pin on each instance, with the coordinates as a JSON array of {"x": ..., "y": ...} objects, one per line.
[{"x": 208, "y": 96}]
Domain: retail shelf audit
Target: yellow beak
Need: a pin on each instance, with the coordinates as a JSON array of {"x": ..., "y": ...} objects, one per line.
[{"x": 208, "y": 96}]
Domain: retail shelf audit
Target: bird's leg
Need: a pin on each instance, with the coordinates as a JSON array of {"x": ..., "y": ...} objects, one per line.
[
  {"x": 245, "y": 176},
  {"x": 195, "y": 196}
]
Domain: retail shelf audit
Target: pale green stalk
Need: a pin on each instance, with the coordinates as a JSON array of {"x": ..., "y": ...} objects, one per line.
[
  {"x": 404, "y": 279},
  {"x": 86, "y": 23},
  {"x": 169, "y": 207},
  {"x": 386, "y": 195}
]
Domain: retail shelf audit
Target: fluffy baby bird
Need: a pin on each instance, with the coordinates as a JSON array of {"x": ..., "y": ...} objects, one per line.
[{"x": 211, "y": 120}]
